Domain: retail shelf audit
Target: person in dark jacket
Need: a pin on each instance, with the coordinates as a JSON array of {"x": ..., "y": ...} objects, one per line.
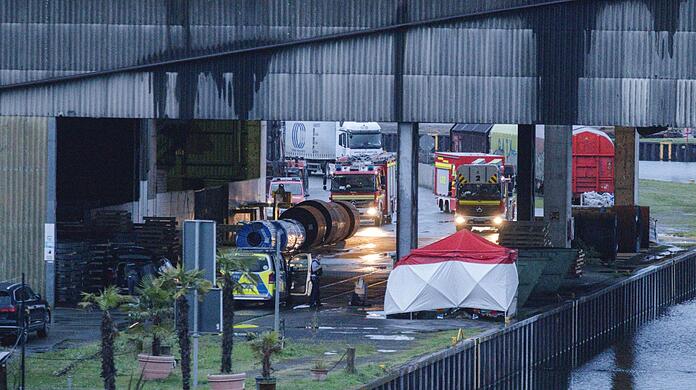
[{"x": 316, "y": 271}]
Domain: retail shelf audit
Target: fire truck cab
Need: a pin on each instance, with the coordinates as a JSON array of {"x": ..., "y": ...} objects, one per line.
[
  {"x": 483, "y": 196},
  {"x": 369, "y": 182},
  {"x": 446, "y": 165}
]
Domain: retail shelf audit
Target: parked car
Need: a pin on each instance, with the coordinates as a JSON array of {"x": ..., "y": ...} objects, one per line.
[{"x": 14, "y": 296}]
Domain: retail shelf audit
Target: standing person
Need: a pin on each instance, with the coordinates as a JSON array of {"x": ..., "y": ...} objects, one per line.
[{"x": 316, "y": 271}]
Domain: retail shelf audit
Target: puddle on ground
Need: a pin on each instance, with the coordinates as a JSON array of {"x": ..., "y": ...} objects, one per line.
[{"x": 387, "y": 337}]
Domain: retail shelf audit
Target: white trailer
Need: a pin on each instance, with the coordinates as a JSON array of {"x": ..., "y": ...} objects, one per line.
[
  {"x": 320, "y": 143},
  {"x": 314, "y": 142}
]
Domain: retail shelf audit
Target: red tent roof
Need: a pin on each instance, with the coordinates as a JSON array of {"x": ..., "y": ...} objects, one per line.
[{"x": 462, "y": 246}]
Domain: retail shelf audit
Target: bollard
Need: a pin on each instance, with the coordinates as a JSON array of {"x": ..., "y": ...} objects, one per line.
[
  {"x": 350, "y": 360},
  {"x": 3, "y": 376}
]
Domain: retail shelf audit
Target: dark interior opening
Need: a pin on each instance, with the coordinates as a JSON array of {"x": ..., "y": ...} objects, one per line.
[{"x": 96, "y": 165}]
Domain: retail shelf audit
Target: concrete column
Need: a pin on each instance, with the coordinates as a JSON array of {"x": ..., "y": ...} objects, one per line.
[
  {"x": 626, "y": 167},
  {"x": 558, "y": 150},
  {"x": 263, "y": 153},
  {"x": 50, "y": 222},
  {"x": 526, "y": 158},
  {"x": 147, "y": 172},
  {"x": 407, "y": 189}
]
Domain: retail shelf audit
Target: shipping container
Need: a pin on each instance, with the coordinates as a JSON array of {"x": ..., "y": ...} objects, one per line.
[{"x": 593, "y": 162}]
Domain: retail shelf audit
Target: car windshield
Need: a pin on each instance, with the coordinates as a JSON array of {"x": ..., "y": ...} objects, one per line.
[
  {"x": 479, "y": 192},
  {"x": 5, "y": 299},
  {"x": 346, "y": 183},
  {"x": 365, "y": 140},
  {"x": 293, "y": 188},
  {"x": 253, "y": 263}
]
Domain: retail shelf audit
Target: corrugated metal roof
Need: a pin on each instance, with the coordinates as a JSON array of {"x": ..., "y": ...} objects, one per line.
[{"x": 629, "y": 63}]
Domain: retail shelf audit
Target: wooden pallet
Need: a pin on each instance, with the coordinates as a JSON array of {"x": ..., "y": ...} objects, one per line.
[{"x": 524, "y": 234}]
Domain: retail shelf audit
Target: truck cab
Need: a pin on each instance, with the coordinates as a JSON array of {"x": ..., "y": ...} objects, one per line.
[
  {"x": 369, "y": 184},
  {"x": 358, "y": 138},
  {"x": 482, "y": 196},
  {"x": 287, "y": 275},
  {"x": 294, "y": 185}
]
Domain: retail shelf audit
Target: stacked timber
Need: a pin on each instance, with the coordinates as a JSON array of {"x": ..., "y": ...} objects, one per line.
[
  {"x": 159, "y": 236},
  {"x": 97, "y": 273},
  {"x": 71, "y": 262},
  {"x": 109, "y": 222},
  {"x": 524, "y": 234}
]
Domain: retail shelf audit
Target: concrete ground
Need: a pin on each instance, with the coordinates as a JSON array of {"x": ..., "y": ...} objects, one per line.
[{"x": 367, "y": 255}]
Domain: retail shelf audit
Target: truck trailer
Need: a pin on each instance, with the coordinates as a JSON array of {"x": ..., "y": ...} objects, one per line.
[
  {"x": 593, "y": 162},
  {"x": 321, "y": 143}
]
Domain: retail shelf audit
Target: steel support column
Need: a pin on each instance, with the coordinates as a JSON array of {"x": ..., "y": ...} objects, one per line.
[
  {"x": 50, "y": 221},
  {"x": 407, "y": 189},
  {"x": 526, "y": 159},
  {"x": 626, "y": 166},
  {"x": 147, "y": 172},
  {"x": 558, "y": 145}
]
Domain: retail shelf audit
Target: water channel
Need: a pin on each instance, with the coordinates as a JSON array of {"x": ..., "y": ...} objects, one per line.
[{"x": 661, "y": 355}]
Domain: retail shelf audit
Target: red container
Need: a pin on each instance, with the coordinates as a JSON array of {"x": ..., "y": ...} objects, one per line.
[{"x": 593, "y": 162}]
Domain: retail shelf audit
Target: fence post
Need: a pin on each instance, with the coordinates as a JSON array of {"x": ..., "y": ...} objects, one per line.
[
  {"x": 477, "y": 363},
  {"x": 3, "y": 376},
  {"x": 350, "y": 360},
  {"x": 574, "y": 344}
]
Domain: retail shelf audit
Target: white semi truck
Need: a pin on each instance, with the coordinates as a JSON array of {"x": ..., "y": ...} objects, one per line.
[{"x": 321, "y": 143}]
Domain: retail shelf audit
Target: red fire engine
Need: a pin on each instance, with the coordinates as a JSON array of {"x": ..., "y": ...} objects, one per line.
[
  {"x": 446, "y": 165},
  {"x": 369, "y": 182}
]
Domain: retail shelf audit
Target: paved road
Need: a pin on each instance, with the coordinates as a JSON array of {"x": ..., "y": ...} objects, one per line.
[{"x": 682, "y": 172}]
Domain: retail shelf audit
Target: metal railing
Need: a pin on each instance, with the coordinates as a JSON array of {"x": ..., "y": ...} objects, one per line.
[{"x": 540, "y": 352}]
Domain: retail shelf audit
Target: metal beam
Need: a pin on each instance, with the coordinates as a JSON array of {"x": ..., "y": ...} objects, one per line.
[
  {"x": 626, "y": 166},
  {"x": 558, "y": 146},
  {"x": 526, "y": 159},
  {"x": 282, "y": 45},
  {"x": 407, "y": 189},
  {"x": 50, "y": 216}
]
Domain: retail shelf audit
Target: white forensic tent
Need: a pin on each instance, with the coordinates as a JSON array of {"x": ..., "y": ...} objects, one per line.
[{"x": 463, "y": 270}]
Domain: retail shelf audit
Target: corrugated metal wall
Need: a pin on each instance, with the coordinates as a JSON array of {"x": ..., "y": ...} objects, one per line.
[
  {"x": 22, "y": 198},
  {"x": 594, "y": 62}
]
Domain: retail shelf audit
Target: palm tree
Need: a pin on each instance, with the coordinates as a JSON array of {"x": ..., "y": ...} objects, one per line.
[
  {"x": 154, "y": 305},
  {"x": 109, "y": 299},
  {"x": 229, "y": 265},
  {"x": 181, "y": 283},
  {"x": 264, "y": 346}
]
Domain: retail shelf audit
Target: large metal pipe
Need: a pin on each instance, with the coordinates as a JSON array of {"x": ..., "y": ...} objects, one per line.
[
  {"x": 337, "y": 224},
  {"x": 313, "y": 221},
  {"x": 293, "y": 233},
  {"x": 354, "y": 217}
]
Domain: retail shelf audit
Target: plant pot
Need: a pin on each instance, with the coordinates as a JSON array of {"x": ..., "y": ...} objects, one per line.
[
  {"x": 227, "y": 381},
  {"x": 319, "y": 374},
  {"x": 265, "y": 383},
  {"x": 156, "y": 367}
]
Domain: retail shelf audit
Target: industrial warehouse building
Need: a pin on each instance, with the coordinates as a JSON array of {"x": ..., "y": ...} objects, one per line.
[{"x": 114, "y": 111}]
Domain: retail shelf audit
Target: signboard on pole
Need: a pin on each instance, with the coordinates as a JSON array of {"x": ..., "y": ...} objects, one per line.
[{"x": 199, "y": 253}]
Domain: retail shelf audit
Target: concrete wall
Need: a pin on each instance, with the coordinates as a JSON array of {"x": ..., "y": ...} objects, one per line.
[
  {"x": 425, "y": 175},
  {"x": 179, "y": 204},
  {"x": 23, "y": 178}
]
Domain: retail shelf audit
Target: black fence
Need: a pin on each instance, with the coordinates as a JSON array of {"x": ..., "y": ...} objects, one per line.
[
  {"x": 541, "y": 351},
  {"x": 668, "y": 151}
]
